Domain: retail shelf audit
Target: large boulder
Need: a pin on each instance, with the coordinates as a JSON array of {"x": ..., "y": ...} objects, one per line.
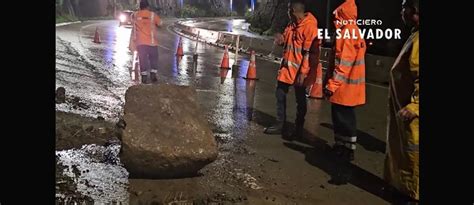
[{"x": 166, "y": 135}]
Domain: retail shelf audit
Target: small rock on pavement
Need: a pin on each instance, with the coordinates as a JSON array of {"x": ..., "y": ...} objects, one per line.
[
  {"x": 76, "y": 100},
  {"x": 166, "y": 134},
  {"x": 121, "y": 124},
  {"x": 60, "y": 95},
  {"x": 102, "y": 130},
  {"x": 83, "y": 105},
  {"x": 89, "y": 128}
]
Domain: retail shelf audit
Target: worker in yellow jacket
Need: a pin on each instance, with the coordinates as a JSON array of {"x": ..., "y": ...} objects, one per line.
[{"x": 402, "y": 155}]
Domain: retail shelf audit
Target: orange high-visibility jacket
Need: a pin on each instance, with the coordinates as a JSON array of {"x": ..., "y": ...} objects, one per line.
[
  {"x": 297, "y": 38},
  {"x": 145, "y": 24},
  {"x": 348, "y": 75}
]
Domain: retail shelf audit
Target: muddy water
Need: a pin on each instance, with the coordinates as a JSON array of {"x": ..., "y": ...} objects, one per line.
[{"x": 97, "y": 173}]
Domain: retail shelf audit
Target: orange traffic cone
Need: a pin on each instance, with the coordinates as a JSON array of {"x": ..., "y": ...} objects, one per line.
[
  {"x": 136, "y": 68},
  {"x": 224, "y": 72},
  {"x": 250, "y": 85},
  {"x": 252, "y": 69},
  {"x": 179, "y": 51},
  {"x": 137, "y": 71},
  {"x": 96, "y": 35},
  {"x": 317, "y": 87},
  {"x": 225, "y": 59}
]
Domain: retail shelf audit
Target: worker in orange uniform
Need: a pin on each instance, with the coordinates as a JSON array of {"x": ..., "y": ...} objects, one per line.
[
  {"x": 297, "y": 40},
  {"x": 346, "y": 83},
  {"x": 145, "y": 38},
  {"x": 402, "y": 155}
]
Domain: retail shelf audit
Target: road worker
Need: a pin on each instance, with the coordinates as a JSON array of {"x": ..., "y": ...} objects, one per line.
[
  {"x": 346, "y": 82},
  {"x": 402, "y": 154},
  {"x": 297, "y": 40},
  {"x": 145, "y": 39}
]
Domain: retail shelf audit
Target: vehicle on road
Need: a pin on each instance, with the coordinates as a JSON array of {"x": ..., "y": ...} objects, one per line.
[{"x": 125, "y": 17}]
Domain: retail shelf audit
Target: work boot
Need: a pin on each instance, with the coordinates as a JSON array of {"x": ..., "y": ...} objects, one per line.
[
  {"x": 274, "y": 129},
  {"x": 350, "y": 155},
  {"x": 296, "y": 134},
  {"x": 153, "y": 77},
  {"x": 337, "y": 149},
  {"x": 398, "y": 198},
  {"x": 145, "y": 79},
  {"x": 342, "y": 174},
  {"x": 347, "y": 154},
  {"x": 339, "y": 179}
]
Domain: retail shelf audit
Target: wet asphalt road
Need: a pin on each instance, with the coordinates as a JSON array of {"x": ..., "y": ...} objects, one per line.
[{"x": 264, "y": 168}]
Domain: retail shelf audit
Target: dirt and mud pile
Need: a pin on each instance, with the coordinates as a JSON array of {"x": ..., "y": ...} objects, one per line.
[{"x": 73, "y": 131}]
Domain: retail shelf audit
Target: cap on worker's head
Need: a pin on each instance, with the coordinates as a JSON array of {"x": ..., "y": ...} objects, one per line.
[
  {"x": 144, "y": 4},
  {"x": 412, "y": 3}
]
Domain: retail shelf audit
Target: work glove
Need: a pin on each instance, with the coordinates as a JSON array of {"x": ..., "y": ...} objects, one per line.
[{"x": 327, "y": 93}]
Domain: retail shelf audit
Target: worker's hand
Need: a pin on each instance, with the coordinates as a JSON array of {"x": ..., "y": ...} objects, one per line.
[
  {"x": 278, "y": 39},
  {"x": 406, "y": 114},
  {"x": 300, "y": 79},
  {"x": 327, "y": 93}
]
